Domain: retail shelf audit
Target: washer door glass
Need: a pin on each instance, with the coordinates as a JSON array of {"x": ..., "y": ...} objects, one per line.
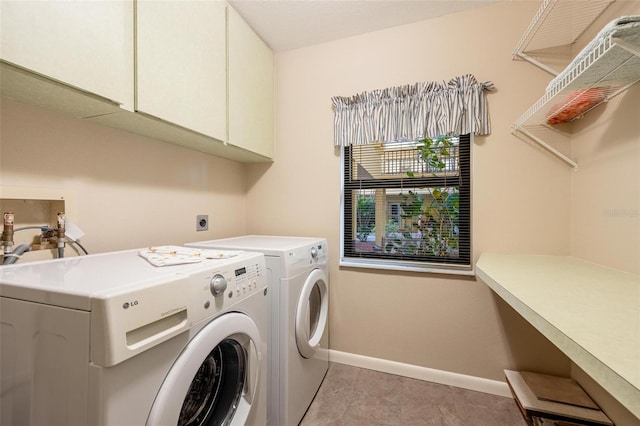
[
  {"x": 214, "y": 379},
  {"x": 312, "y": 313},
  {"x": 216, "y": 387}
]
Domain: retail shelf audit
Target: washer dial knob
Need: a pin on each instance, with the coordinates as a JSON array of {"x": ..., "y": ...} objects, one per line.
[
  {"x": 218, "y": 285},
  {"x": 314, "y": 252}
]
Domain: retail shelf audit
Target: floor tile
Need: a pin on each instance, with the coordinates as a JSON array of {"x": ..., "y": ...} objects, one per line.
[{"x": 352, "y": 396}]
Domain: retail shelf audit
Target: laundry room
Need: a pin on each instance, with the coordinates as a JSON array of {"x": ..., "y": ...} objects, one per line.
[{"x": 131, "y": 154}]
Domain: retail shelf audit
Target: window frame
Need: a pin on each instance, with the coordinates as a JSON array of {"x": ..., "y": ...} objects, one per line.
[{"x": 461, "y": 265}]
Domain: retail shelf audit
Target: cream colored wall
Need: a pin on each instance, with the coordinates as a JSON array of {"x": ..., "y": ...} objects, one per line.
[
  {"x": 520, "y": 193},
  {"x": 605, "y": 212},
  {"x": 129, "y": 191},
  {"x": 605, "y": 192}
]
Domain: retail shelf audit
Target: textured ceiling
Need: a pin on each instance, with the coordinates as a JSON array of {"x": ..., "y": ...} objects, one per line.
[{"x": 290, "y": 24}]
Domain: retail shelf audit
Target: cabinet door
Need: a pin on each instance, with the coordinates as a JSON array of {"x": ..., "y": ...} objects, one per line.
[
  {"x": 181, "y": 63},
  {"x": 251, "y": 87},
  {"x": 84, "y": 44}
]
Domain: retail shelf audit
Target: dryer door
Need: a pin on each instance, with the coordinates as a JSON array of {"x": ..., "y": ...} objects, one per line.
[
  {"x": 214, "y": 380},
  {"x": 312, "y": 313}
]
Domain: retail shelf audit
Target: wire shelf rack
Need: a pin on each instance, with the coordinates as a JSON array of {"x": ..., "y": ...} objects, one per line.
[{"x": 608, "y": 66}]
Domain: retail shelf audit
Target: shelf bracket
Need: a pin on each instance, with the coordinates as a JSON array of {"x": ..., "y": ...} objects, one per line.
[
  {"x": 548, "y": 147},
  {"x": 536, "y": 63}
]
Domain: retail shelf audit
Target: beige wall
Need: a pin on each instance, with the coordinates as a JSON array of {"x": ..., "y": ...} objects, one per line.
[
  {"x": 520, "y": 196},
  {"x": 605, "y": 192},
  {"x": 129, "y": 191},
  {"x": 605, "y": 208}
]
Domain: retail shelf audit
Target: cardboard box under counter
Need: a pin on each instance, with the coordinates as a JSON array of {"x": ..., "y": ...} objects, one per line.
[{"x": 543, "y": 397}]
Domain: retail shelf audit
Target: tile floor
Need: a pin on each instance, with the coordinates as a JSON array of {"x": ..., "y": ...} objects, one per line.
[{"x": 351, "y": 396}]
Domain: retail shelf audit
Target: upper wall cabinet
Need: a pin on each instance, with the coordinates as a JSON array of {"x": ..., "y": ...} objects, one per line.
[
  {"x": 87, "y": 45},
  {"x": 251, "y": 88},
  {"x": 181, "y": 67},
  {"x": 177, "y": 71}
]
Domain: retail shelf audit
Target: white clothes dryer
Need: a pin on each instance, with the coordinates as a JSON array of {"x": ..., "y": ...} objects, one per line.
[
  {"x": 111, "y": 340},
  {"x": 298, "y": 351}
]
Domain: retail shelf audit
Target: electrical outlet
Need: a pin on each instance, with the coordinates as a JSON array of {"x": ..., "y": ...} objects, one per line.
[{"x": 202, "y": 222}]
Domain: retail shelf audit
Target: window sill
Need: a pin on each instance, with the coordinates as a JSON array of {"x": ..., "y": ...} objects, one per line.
[{"x": 462, "y": 270}]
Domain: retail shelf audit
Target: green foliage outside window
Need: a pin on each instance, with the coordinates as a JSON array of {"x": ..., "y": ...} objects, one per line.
[
  {"x": 366, "y": 217},
  {"x": 433, "y": 217}
]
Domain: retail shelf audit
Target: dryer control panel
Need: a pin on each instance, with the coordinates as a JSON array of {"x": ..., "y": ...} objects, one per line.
[{"x": 299, "y": 260}]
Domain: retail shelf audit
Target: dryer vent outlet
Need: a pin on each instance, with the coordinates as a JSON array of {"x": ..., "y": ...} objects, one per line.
[{"x": 202, "y": 222}]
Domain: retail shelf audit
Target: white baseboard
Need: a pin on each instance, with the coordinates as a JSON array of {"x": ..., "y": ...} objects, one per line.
[{"x": 464, "y": 381}]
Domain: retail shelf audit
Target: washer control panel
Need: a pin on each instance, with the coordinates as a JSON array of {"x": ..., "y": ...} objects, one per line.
[
  {"x": 247, "y": 280},
  {"x": 128, "y": 322},
  {"x": 225, "y": 286}
]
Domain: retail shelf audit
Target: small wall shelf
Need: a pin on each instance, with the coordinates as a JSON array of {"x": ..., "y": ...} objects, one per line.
[
  {"x": 608, "y": 66},
  {"x": 557, "y": 23}
]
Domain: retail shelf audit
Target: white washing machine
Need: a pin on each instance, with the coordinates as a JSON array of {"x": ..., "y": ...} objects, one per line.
[
  {"x": 110, "y": 339},
  {"x": 298, "y": 355}
]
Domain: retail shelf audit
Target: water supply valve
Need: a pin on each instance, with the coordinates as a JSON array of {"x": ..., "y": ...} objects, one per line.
[
  {"x": 52, "y": 238},
  {"x": 60, "y": 232},
  {"x": 7, "y": 232}
]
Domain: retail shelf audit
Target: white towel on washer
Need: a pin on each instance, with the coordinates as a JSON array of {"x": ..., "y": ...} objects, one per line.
[{"x": 177, "y": 255}]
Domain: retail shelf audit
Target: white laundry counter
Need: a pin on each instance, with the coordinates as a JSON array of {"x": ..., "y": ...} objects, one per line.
[{"x": 590, "y": 312}]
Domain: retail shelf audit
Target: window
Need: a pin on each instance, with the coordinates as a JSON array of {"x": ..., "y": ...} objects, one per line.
[{"x": 406, "y": 205}]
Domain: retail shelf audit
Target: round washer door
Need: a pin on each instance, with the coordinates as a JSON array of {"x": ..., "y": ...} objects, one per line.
[
  {"x": 312, "y": 313},
  {"x": 214, "y": 379}
]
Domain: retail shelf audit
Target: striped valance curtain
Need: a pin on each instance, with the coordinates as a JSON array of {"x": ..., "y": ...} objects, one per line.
[{"x": 412, "y": 112}]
